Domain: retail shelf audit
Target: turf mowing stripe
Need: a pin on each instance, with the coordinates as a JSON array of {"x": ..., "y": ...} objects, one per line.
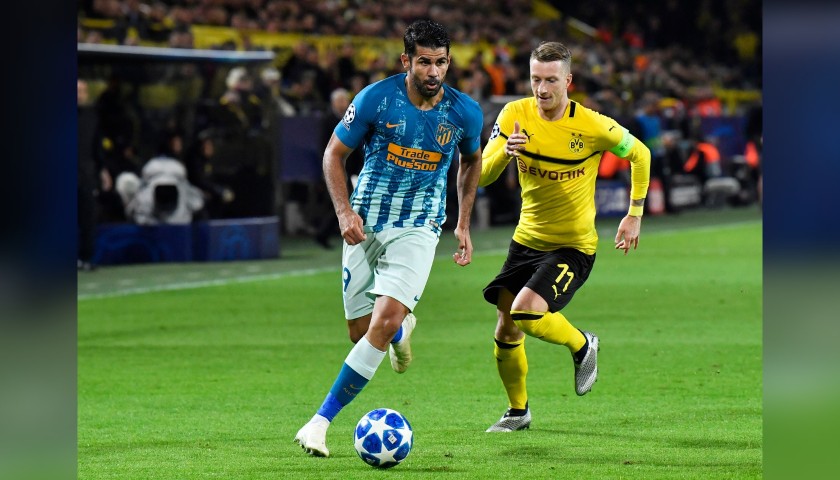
[{"x": 297, "y": 273}]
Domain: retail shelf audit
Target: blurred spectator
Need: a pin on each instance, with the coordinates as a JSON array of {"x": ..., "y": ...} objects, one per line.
[
  {"x": 172, "y": 144},
  {"x": 240, "y": 110},
  {"x": 704, "y": 160},
  {"x": 270, "y": 92},
  {"x": 754, "y": 132},
  {"x": 118, "y": 130},
  {"x": 92, "y": 177},
  {"x": 199, "y": 163},
  {"x": 180, "y": 38},
  {"x": 673, "y": 159},
  {"x": 613, "y": 167},
  {"x": 325, "y": 221},
  {"x": 357, "y": 83},
  {"x": 308, "y": 82},
  {"x": 705, "y": 102},
  {"x": 497, "y": 71},
  {"x": 158, "y": 24},
  {"x": 475, "y": 80},
  {"x": 705, "y": 164},
  {"x": 745, "y": 167},
  {"x": 346, "y": 64}
]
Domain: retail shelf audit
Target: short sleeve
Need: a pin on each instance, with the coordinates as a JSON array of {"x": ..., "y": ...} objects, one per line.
[
  {"x": 355, "y": 123},
  {"x": 474, "y": 121}
]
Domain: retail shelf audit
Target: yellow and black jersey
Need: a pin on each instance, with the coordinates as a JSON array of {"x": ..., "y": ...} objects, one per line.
[{"x": 557, "y": 171}]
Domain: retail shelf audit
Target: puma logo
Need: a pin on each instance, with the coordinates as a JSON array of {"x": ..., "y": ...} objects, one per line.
[
  {"x": 556, "y": 293},
  {"x": 529, "y": 135}
]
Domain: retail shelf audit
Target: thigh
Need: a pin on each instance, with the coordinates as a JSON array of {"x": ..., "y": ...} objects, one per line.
[
  {"x": 519, "y": 267},
  {"x": 403, "y": 269},
  {"x": 358, "y": 262},
  {"x": 559, "y": 275}
]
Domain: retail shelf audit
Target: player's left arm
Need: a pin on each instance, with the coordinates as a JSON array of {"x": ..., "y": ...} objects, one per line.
[
  {"x": 469, "y": 170},
  {"x": 630, "y": 148}
]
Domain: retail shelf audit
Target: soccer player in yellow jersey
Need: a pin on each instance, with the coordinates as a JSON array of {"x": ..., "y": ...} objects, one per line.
[{"x": 557, "y": 145}]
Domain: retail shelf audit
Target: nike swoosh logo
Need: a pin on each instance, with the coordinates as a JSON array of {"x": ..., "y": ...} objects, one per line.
[
  {"x": 610, "y": 130},
  {"x": 393, "y": 125},
  {"x": 416, "y": 298}
]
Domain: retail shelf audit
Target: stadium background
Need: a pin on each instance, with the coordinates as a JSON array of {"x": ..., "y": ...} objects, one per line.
[{"x": 678, "y": 74}]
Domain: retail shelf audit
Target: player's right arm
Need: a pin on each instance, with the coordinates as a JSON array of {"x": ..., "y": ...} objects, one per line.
[
  {"x": 335, "y": 176},
  {"x": 494, "y": 158},
  {"x": 347, "y": 136}
]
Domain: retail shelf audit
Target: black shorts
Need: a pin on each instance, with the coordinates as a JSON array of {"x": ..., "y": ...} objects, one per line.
[{"x": 554, "y": 275}]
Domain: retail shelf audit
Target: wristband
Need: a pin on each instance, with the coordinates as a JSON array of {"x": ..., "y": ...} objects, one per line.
[{"x": 636, "y": 210}]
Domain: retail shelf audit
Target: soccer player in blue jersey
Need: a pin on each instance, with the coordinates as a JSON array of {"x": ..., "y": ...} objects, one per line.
[{"x": 411, "y": 126}]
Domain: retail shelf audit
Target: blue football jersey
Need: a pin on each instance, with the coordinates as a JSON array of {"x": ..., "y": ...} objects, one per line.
[{"x": 407, "y": 152}]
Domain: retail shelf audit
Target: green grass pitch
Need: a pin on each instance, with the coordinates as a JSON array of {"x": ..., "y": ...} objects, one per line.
[{"x": 213, "y": 381}]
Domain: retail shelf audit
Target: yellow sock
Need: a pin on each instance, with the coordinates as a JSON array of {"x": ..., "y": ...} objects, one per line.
[
  {"x": 549, "y": 327},
  {"x": 513, "y": 368}
]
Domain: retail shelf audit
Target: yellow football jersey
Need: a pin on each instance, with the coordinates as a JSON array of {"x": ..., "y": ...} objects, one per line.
[{"x": 557, "y": 171}]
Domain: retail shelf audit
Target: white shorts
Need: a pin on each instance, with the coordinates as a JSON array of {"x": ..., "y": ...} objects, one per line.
[{"x": 394, "y": 262}]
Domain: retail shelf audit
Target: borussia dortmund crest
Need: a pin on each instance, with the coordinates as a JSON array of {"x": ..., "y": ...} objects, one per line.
[{"x": 576, "y": 143}]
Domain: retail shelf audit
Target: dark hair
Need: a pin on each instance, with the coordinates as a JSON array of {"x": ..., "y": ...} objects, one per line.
[{"x": 425, "y": 33}]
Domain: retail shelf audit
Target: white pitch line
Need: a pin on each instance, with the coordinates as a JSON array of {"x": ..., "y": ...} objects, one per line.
[
  {"x": 203, "y": 283},
  {"x": 312, "y": 271}
]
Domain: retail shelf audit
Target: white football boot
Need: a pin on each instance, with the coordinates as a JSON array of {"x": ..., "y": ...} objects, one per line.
[
  {"x": 509, "y": 423},
  {"x": 312, "y": 437},
  {"x": 586, "y": 372},
  {"x": 400, "y": 352}
]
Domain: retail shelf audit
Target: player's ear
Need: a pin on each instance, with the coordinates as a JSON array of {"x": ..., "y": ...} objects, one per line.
[{"x": 406, "y": 61}]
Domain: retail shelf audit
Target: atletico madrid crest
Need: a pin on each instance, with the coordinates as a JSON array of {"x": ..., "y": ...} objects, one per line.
[{"x": 444, "y": 134}]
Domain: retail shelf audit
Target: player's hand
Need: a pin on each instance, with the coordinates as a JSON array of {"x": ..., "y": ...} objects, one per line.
[
  {"x": 463, "y": 256},
  {"x": 352, "y": 227},
  {"x": 515, "y": 142},
  {"x": 628, "y": 233}
]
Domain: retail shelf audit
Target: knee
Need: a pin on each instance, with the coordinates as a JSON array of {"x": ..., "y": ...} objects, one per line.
[
  {"x": 383, "y": 328},
  {"x": 390, "y": 324},
  {"x": 528, "y": 322}
]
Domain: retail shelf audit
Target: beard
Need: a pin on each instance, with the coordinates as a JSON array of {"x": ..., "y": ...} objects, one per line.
[{"x": 422, "y": 87}]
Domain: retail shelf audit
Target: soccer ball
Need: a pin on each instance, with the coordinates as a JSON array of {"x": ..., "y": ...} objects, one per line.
[{"x": 383, "y": 438}]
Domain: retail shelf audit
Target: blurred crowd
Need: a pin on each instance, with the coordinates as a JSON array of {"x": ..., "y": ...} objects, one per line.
[
  {"x": 658, "y": 67},
  {"x": 621, "y": 49}
]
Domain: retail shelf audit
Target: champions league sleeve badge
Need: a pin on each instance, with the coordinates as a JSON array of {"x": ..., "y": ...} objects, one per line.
[
  {"x": 496, "y": 131},
  {"x": 349, "y": 116}
]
